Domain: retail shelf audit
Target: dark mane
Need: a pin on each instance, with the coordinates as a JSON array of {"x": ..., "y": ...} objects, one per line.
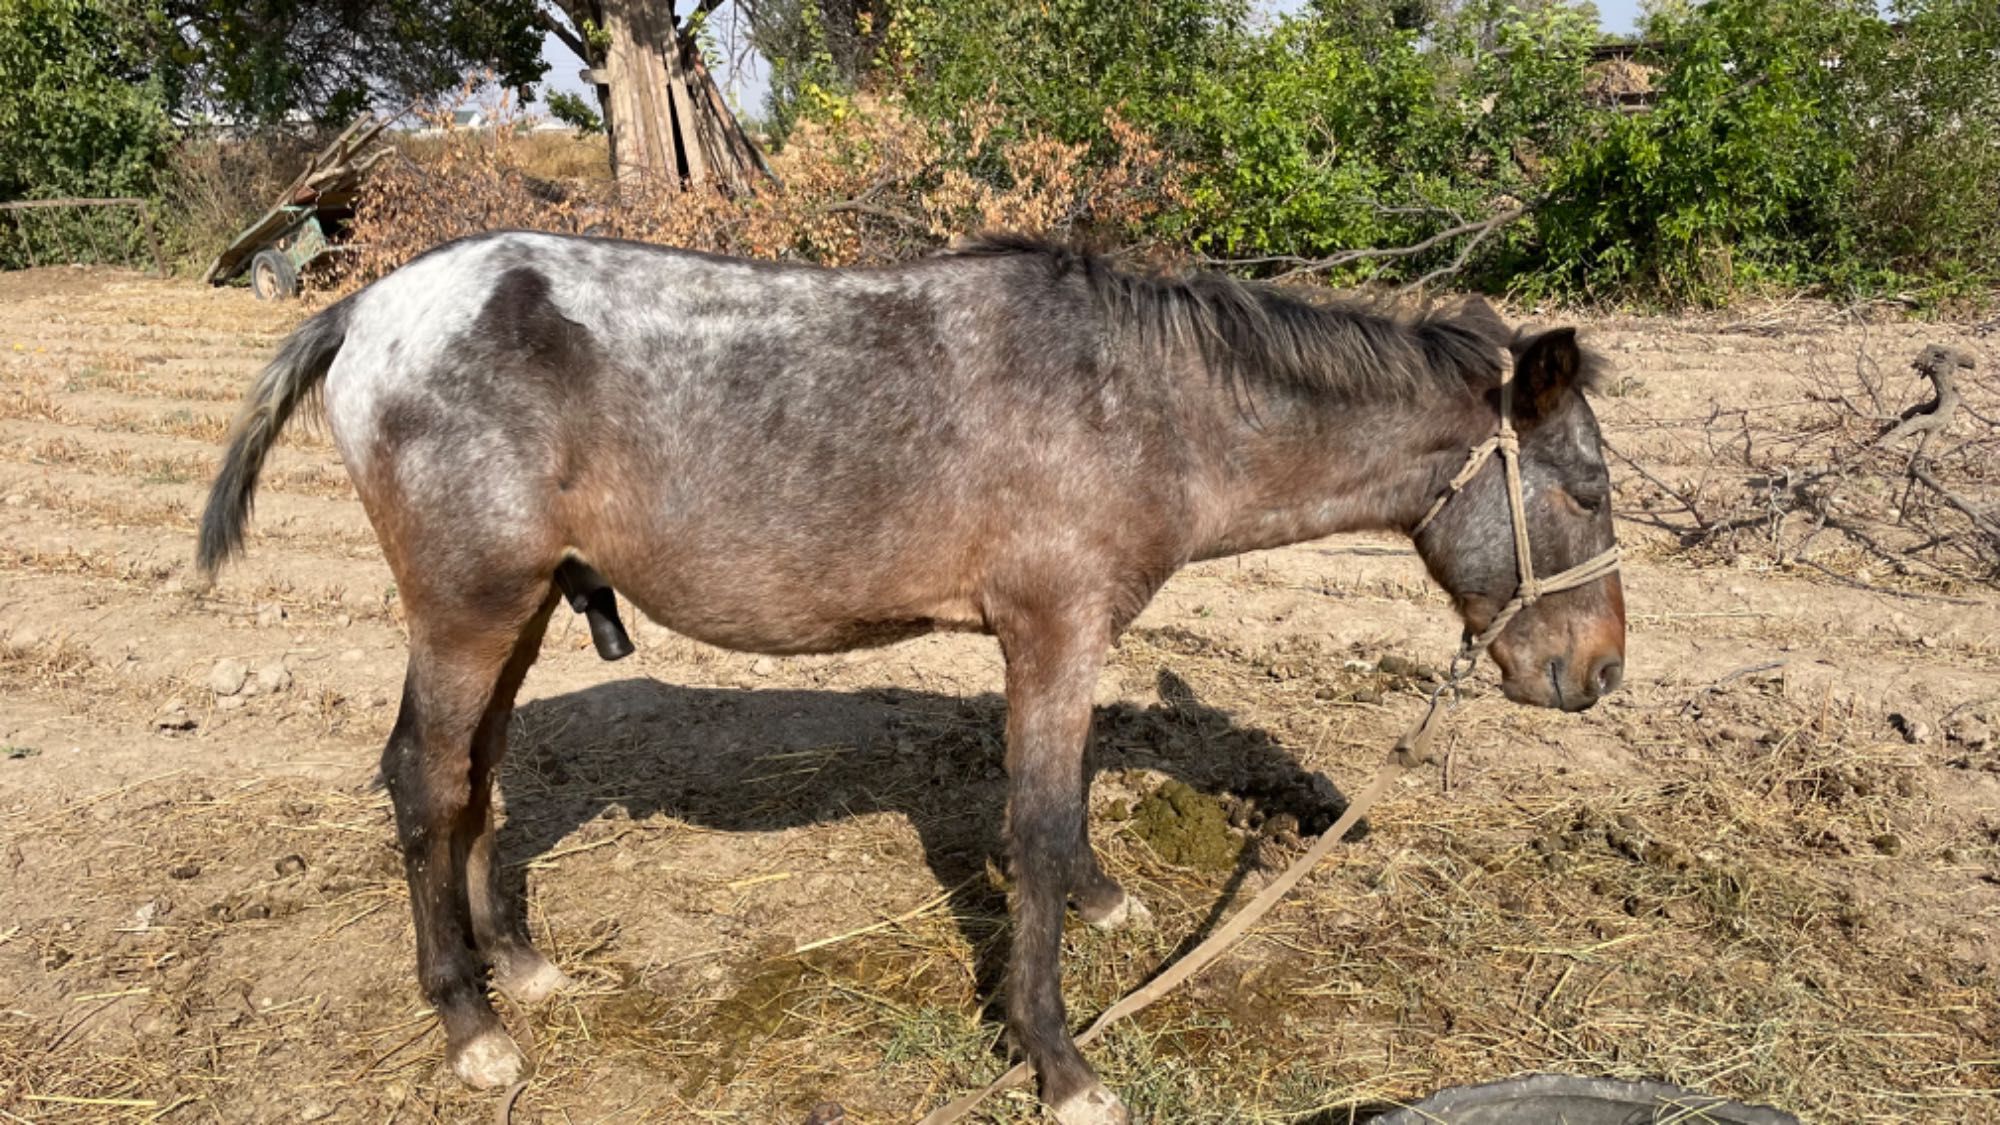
[{"x": 1252, "y": 333}]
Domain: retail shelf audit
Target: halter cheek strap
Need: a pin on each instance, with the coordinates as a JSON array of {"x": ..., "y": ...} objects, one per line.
[{"x": 1507, "y": 444}]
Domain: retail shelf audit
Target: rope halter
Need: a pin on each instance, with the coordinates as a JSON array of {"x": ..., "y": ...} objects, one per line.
[{"x": 1507, "y": 444}]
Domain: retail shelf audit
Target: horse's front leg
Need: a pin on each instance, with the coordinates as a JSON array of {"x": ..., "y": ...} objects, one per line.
[{"x": 1053, "y": 657}]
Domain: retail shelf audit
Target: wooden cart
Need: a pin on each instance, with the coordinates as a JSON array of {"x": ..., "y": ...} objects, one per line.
[{"x": 310, "y": 218}]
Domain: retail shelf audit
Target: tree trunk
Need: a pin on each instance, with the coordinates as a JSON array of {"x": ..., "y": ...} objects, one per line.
[{"x": 667, "y": 122}]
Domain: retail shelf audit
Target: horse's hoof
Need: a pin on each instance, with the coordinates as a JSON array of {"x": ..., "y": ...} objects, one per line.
[
  {"x": 1095, "y": 1106},
  {"x": 489, "y": 1062},
  {"x": 1129, "y": 912},
  {"x": 534, "y": 985}
]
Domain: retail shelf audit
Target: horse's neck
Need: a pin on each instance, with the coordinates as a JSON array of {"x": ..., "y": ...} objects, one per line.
[{"x": 1315, "y": 469}]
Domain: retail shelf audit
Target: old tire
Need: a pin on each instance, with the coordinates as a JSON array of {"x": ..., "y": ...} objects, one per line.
[{"x": 272, "y": 277}]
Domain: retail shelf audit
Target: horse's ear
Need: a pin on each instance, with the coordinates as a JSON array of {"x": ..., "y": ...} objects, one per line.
[{"x": 1547, "y": 368}]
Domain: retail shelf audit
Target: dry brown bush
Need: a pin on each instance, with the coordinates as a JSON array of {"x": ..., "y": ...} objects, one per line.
[{"x": 876, "y": 185}]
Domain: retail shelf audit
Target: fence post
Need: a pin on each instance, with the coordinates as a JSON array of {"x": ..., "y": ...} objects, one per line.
[{"x": 146, "y": 224}]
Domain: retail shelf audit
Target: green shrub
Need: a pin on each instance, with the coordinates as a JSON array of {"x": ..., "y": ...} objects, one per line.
[
  {"x": 79, "y": 112},
  {"x": 1737, "y": 176},
  {"x": 1925, "y": 201}
]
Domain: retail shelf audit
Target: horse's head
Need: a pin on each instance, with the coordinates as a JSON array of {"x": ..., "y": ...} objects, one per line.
[{"x": 1567, "y": 648}]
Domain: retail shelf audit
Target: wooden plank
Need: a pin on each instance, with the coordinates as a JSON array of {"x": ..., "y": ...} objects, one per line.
[
  {"x": 691, "y": 133},
  {"x": 657, "y": 89},
  {"x": 624, "y": 78}
]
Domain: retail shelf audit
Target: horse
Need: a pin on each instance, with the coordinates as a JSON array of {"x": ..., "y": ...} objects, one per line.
[{"x": 1009, "y": 437}]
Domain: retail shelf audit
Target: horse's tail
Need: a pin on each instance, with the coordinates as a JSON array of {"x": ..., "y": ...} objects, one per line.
[{"x": 290, "y": 379}]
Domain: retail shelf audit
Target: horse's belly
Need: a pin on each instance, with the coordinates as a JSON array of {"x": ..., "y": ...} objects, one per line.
[{"x": 744, "y": 613}]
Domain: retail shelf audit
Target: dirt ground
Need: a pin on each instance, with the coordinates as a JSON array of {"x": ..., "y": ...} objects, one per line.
[{"x": 1769, "y": 868}]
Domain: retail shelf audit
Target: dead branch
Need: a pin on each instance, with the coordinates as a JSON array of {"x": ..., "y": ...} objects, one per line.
[
  {"x": 1480, "y": 229},
  {"x": 1979, "y": 519},
  {"x": 1701, "y": 521}
]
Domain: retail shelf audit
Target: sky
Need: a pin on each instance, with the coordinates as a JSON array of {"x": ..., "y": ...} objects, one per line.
[{"x": 746, "y": 85}]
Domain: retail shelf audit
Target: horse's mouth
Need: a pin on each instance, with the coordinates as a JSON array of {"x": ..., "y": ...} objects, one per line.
[{"x": 1547, "y": 691}]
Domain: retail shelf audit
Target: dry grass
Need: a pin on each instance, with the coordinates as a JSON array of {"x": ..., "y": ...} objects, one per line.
[
  {"x": 322, "y": 480},
  {"x": 543, "y": 156}
]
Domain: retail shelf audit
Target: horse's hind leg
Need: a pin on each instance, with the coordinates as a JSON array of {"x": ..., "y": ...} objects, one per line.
[
  {"x": 499, "y": 925},
  {"x": 461, "y": 650},
  {"x": 1053, "y": 659}
]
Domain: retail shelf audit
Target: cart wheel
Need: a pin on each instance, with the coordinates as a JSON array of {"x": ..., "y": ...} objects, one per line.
[{"x": 272, "y": 277}]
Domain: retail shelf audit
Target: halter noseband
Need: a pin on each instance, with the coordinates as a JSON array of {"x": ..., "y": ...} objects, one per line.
[{"x": 1508, "y": 444}]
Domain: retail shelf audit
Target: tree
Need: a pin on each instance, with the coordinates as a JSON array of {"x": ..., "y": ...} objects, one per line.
[
  {"x": 815, "y": 47},
  {"x": 666, "y": 118},
  {"x": 266, "y": 59},
  {"x": 80, "y": 113}
]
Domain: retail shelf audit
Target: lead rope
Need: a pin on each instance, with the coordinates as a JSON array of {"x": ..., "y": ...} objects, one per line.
[{"x": 1413, "y": 749}]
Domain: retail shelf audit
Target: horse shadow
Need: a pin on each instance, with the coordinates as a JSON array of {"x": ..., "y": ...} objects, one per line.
[{"x": 764, "y": 760}]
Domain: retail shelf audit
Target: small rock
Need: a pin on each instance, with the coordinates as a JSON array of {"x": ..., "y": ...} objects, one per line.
[
  {"x": 1393, "y": 665},
  {"x": 1972, "y": 734},
  {"x": 315, "y": 1111},
  {"x": 15, "y": 500},
  {"x": 764, "y": 666},
  {"x": 1366, "y": 695},
  {"x": 227, "y": 677},
  {"x": 231, "y": 702},
  {"x": 273, "y": 678},
  {"x": 827, "y": 1113},
  {"x": 174, "y": 716},
  {"x": 1888, "y": 843},
  {"x": 342, "y": 620},
  {"x": 352, "y": 656},
  {"x": 1740, "y": 732},
  {"x": 184, "y": 871},
  {"x": 290, "y": 865},
  {"x": 270, "y": 615},
  {"x": 1913, "y": 729}
]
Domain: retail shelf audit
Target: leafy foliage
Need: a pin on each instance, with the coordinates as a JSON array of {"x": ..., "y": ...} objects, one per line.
[
  {"x": 265, "y": 59},
  {"x": 1790, "y": 144},
  {"x": 80, "y": 113},
  {"x": 1737, "y": 175},
  {"x": 573, "y": 111},
  {"x": 1056, "y": 66}
]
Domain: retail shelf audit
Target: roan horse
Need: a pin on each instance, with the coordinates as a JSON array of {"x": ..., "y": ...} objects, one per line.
[{"x": 1009, "y": 438}]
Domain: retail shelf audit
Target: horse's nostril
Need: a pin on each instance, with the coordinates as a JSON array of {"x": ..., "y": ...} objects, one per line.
[{"x": 1607, "y": 675}]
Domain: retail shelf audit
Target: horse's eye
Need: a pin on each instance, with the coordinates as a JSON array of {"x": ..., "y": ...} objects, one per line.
[{"x": 1592, "y": 502}]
